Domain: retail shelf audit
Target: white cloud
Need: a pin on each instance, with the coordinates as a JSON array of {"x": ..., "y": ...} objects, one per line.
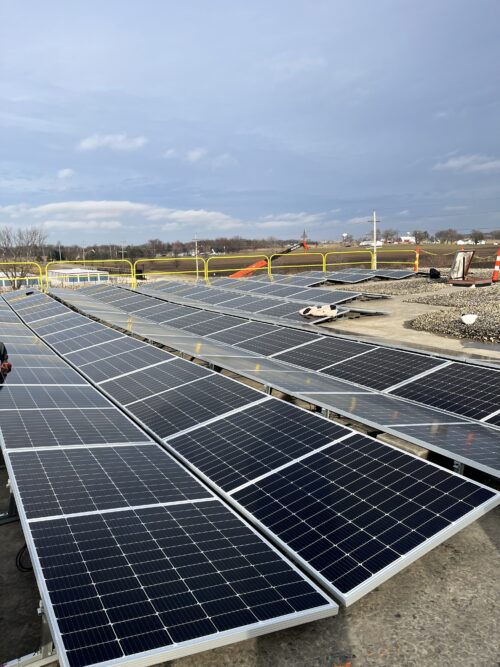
[
  {"x": 358, "y": 220},
  {"x": 170, "y": 153},
  {"x": 115, "y": 142},
  {"x": 65, "y": 173},
  {"x": 196, "y": 154},
  {"x": 81, "y": 224},
  {"x": 469, "y": 164},
  {"x": 405, "y": 211},
  {"x": 455, "y": 208},
  {"x": 110, "y": 214}
]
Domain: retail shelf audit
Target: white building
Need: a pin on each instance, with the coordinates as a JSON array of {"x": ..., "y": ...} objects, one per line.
[{"x": 76, "y": 275}]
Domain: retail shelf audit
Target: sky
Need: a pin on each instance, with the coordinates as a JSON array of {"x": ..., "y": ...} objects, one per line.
[{"x": 126, "y": 121}]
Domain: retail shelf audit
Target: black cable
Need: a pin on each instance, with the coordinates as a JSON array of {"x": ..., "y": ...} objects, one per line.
[{"x": 23, "y": 560}]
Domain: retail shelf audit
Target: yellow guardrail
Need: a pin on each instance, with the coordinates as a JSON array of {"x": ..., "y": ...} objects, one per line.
[
  {"x": 234, "y": 270},
  {"x": 297, "y": 266},
  {"x": 199, "y": 267},
  {"x": 83, "y": 263},
  {"x": 26, "y": 278},
  {"x": 369, "y": 260}
]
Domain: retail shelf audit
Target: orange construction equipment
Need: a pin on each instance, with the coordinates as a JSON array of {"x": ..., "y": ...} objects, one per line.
[
  {"x": 496, "y": 271},
  {"x": 262, "y": 263}
]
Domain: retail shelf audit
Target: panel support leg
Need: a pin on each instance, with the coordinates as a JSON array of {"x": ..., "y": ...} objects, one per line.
[
  {"x": 46, "y": 654},
  {"x": 11, "y": 514},
  {"x": 458, "y": 467}
]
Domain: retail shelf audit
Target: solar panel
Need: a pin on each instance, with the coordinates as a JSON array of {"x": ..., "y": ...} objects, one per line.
[
  {"x": 64, "y": 322},
  {"x": 71, "y": 344},
  {"x": 323, "y": 352},
  {"x": 164, "y": 582},
  {"x": 81, "y": 329},
  {"x": 277, "y": 341},
  {"x": 29, "y": 348},
  {"x": 141, "y": 384},
  {"x": 249, "y": 443},
  {"x": 68, "y": 481},
  {"x": 237, "y": 334},
  {"x": 381, "y": 368},
  {"x": 312, "y": 295},
  {"x": 53, "y": 428},
  {"x": 221, "y": 323},
  {"x": 359, "y": 511},
  {"x": 20, "y": 398},
  {"x": 470, "y": 391},
  {"x": 178, "y": 409},
  {"x": 120, "y": 346},
  {"x": 51, "y": 375}
]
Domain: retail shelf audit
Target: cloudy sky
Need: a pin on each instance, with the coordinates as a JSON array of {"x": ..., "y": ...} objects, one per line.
[{"x": 124, "y": 121}]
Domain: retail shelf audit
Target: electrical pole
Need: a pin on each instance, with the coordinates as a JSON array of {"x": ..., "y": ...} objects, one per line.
[
  {"x": 123, "y": 250},
  {"x": 60, "y": 256},
  {"x": 374, "y": 262}
]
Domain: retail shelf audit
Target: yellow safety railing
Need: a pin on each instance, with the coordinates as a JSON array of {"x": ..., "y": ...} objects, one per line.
[
  {"x": 376, "y": 259},
  {"x": 218, "y": 258},
  {"x": 317, "y": 265},
  {"x": 369, "y": 259},
  {"x": 27, "y": 279},
  {"x": 83, "y": 263},
  {"x": 199, "y": 267}
]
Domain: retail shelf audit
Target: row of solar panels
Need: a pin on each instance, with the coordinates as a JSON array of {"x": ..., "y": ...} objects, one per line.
[
  {"x": 442, "y": 419},
  {"x": 274, "y": 292},
  {"x": 134, "y": 557},
  {"x": 369, "y": 365},
  {"x": 350, "y": 510},
  {"x": 357, "y": 275}
]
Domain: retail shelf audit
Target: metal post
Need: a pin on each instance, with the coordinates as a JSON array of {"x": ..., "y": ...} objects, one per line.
[
  {"x": 196, "y": 253},
  {"x": 374, "y": 240},
  {"x": 458, "y": 467}
]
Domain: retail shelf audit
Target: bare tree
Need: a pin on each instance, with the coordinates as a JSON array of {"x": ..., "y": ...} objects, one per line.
[
  {"x": 17, "y": 245},
  {"x": 476, "y": 235}
]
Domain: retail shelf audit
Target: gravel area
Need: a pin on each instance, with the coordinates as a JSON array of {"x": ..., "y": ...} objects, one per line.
[
  {"x": 448, "y": 322},
  {"x": 462, "y": 297},
  {"x": 483, "y": 301},
  {"x": 404, "y": 287}
]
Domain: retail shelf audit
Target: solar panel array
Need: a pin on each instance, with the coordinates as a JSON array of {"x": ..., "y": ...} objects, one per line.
[
  {"x": 350, "y": 510},
  {"x": 398, "y": 374},
  {"x": 135, "y": 558}
]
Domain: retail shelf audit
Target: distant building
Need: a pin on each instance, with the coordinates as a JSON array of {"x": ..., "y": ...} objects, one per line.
[
  {"x": 77, "y": 275},
  {"x": 408, "y": 238},
  {"x": 29, "y": 281}
]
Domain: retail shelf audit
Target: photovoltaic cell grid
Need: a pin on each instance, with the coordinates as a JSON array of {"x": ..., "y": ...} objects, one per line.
[
  {"x": 241, "y": 447},
  {"x": 68, "y": 481},
  {"x": 471, "y": 391},
  {"x": 56, "y": 427},
  {"x": 359, "y": 511},
  {"x": 323, "y": 352},
  {"x": 154, "y": 580},
  {"x": 178, "y": 409},
  {"x": 381, "y": 368},
  {"x": 141, "y": 384},
  {"x": 43, "y": 397}
]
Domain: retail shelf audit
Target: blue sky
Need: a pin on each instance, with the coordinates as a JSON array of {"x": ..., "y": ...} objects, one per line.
[{"x": 124, "y": 121}]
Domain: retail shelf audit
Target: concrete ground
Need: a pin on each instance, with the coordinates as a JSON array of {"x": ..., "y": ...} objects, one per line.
[
  {"x": 441, "y": 611},
  {"x": 391, "y": 329}
]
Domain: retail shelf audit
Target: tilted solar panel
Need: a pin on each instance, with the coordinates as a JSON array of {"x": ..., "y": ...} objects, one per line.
[{"x": 470, "y": 391}]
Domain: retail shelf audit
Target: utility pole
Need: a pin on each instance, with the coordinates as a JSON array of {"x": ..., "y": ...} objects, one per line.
[
  {"x": 196, "y": 253},
  {"x": 374, "y": 262},
  {"x": 60, "y": 256},
  {"x": 123, "y": 251}
]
